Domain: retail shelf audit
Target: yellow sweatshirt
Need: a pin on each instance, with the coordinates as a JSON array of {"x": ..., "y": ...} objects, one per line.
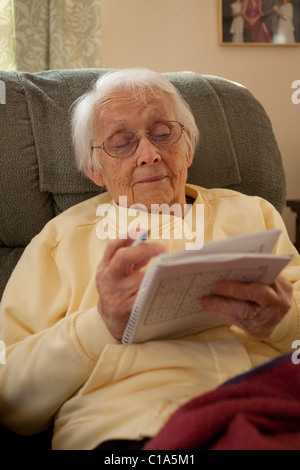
[{"x": 63, "y": 364}]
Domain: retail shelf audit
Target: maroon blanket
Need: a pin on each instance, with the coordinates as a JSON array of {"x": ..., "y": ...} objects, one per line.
[{"x": 256, "y": 411}]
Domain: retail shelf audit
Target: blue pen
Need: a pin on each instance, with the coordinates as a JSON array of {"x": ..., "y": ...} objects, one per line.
[{"x": 141, "y": 238}]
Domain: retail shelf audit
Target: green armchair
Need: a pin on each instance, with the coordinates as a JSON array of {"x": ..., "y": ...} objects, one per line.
[{"x": 39, "y": 178}]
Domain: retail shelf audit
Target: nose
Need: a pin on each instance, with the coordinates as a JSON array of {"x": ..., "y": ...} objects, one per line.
[{"x": 146, "y": 153}]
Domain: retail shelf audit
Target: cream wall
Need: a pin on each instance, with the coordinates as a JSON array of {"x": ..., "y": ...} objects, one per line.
[{"x": 175, "y": 35}]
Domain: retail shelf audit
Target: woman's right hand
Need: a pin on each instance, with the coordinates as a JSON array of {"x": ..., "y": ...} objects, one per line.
[{"x": 118, "y": 279}]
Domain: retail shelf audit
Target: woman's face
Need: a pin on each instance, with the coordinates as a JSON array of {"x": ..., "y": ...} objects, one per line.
[{"x": 152, "y": 175}]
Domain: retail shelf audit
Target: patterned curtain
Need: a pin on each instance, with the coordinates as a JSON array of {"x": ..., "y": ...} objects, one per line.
[
  {"x": 7, "y": 37},
  {"x": 57, "y": 34}
]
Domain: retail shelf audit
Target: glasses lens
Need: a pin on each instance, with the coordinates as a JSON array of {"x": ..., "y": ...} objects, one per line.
[
  {"x": 166, "y": 133},
  {"x": 162, "y": 134},
  {"x": 121, "y": 144}
]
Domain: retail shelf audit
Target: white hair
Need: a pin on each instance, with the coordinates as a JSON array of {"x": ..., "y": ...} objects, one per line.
[{"x": 133, "y": 80}]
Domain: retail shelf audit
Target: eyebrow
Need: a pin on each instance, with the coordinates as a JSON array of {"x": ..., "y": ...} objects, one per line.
[
  {"x": 117, "y": 123},
  {"x": 155, "y": 113}
]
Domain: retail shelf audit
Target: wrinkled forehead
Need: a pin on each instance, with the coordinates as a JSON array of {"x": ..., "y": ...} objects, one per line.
[{"x": 123, "y": 101}]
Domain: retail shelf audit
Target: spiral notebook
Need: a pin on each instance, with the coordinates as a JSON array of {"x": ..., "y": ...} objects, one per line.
[{"x": 167, "y": 304}]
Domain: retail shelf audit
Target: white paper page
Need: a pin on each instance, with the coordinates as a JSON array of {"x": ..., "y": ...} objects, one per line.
[{"x": 257, "y": 242}]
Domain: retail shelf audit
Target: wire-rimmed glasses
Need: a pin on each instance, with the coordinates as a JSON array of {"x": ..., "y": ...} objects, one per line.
[{"x": 123, "y": 144}]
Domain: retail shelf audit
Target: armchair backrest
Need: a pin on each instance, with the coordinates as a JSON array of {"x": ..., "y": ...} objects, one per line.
[{"x": 38, "y": 175}]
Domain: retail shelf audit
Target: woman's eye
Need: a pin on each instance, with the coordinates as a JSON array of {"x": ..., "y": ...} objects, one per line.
[
  {"x": 121, "y": 140},
  {"x": 162, "y": 131}
]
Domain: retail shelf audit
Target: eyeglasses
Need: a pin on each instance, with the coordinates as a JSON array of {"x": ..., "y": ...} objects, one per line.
[{"x": 124, "y": 143}]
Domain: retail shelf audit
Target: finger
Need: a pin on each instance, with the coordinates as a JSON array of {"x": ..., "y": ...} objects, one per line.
[
  {"x": 240, "y": 314},
  {"x": 113, "y": 246},
  {"x": 278, "y": 293},
  {"x": 126, "y": 260},
  {"x": 228, "y": 308},
  {"x": 257, "y": 292},
  {"x": 284, "y": 289},
  {"x": 128, "y": 287},
  {"x": 258, "y": 318}
]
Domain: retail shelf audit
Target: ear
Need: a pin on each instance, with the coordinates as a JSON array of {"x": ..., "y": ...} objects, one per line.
[
  {"x": 189, "y": 154},
  {"x": 96, "y": 177},
  {"x": 189, "y": 157}
]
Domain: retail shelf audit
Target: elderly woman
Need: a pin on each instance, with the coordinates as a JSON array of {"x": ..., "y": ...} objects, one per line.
[{"x": 67, "y": 303}]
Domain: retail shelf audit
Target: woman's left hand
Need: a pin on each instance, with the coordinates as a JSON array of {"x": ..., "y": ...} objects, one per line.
[{"x": 255, "y": 307}]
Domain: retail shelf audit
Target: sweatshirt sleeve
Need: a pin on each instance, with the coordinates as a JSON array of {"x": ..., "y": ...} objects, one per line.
[
  {"x": 50, "y": 350},
  {"x": 288, "y": 330}
]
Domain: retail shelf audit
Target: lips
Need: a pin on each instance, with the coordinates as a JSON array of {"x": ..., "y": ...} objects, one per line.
[{"x": 152, "y": 179}]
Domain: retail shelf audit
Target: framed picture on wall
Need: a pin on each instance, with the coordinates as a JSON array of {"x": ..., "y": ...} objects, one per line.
[{"x": 259, "y": 22}]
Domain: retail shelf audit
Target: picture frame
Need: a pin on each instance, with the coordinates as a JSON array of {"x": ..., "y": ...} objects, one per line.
[{"x": 279, "y": 26}]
